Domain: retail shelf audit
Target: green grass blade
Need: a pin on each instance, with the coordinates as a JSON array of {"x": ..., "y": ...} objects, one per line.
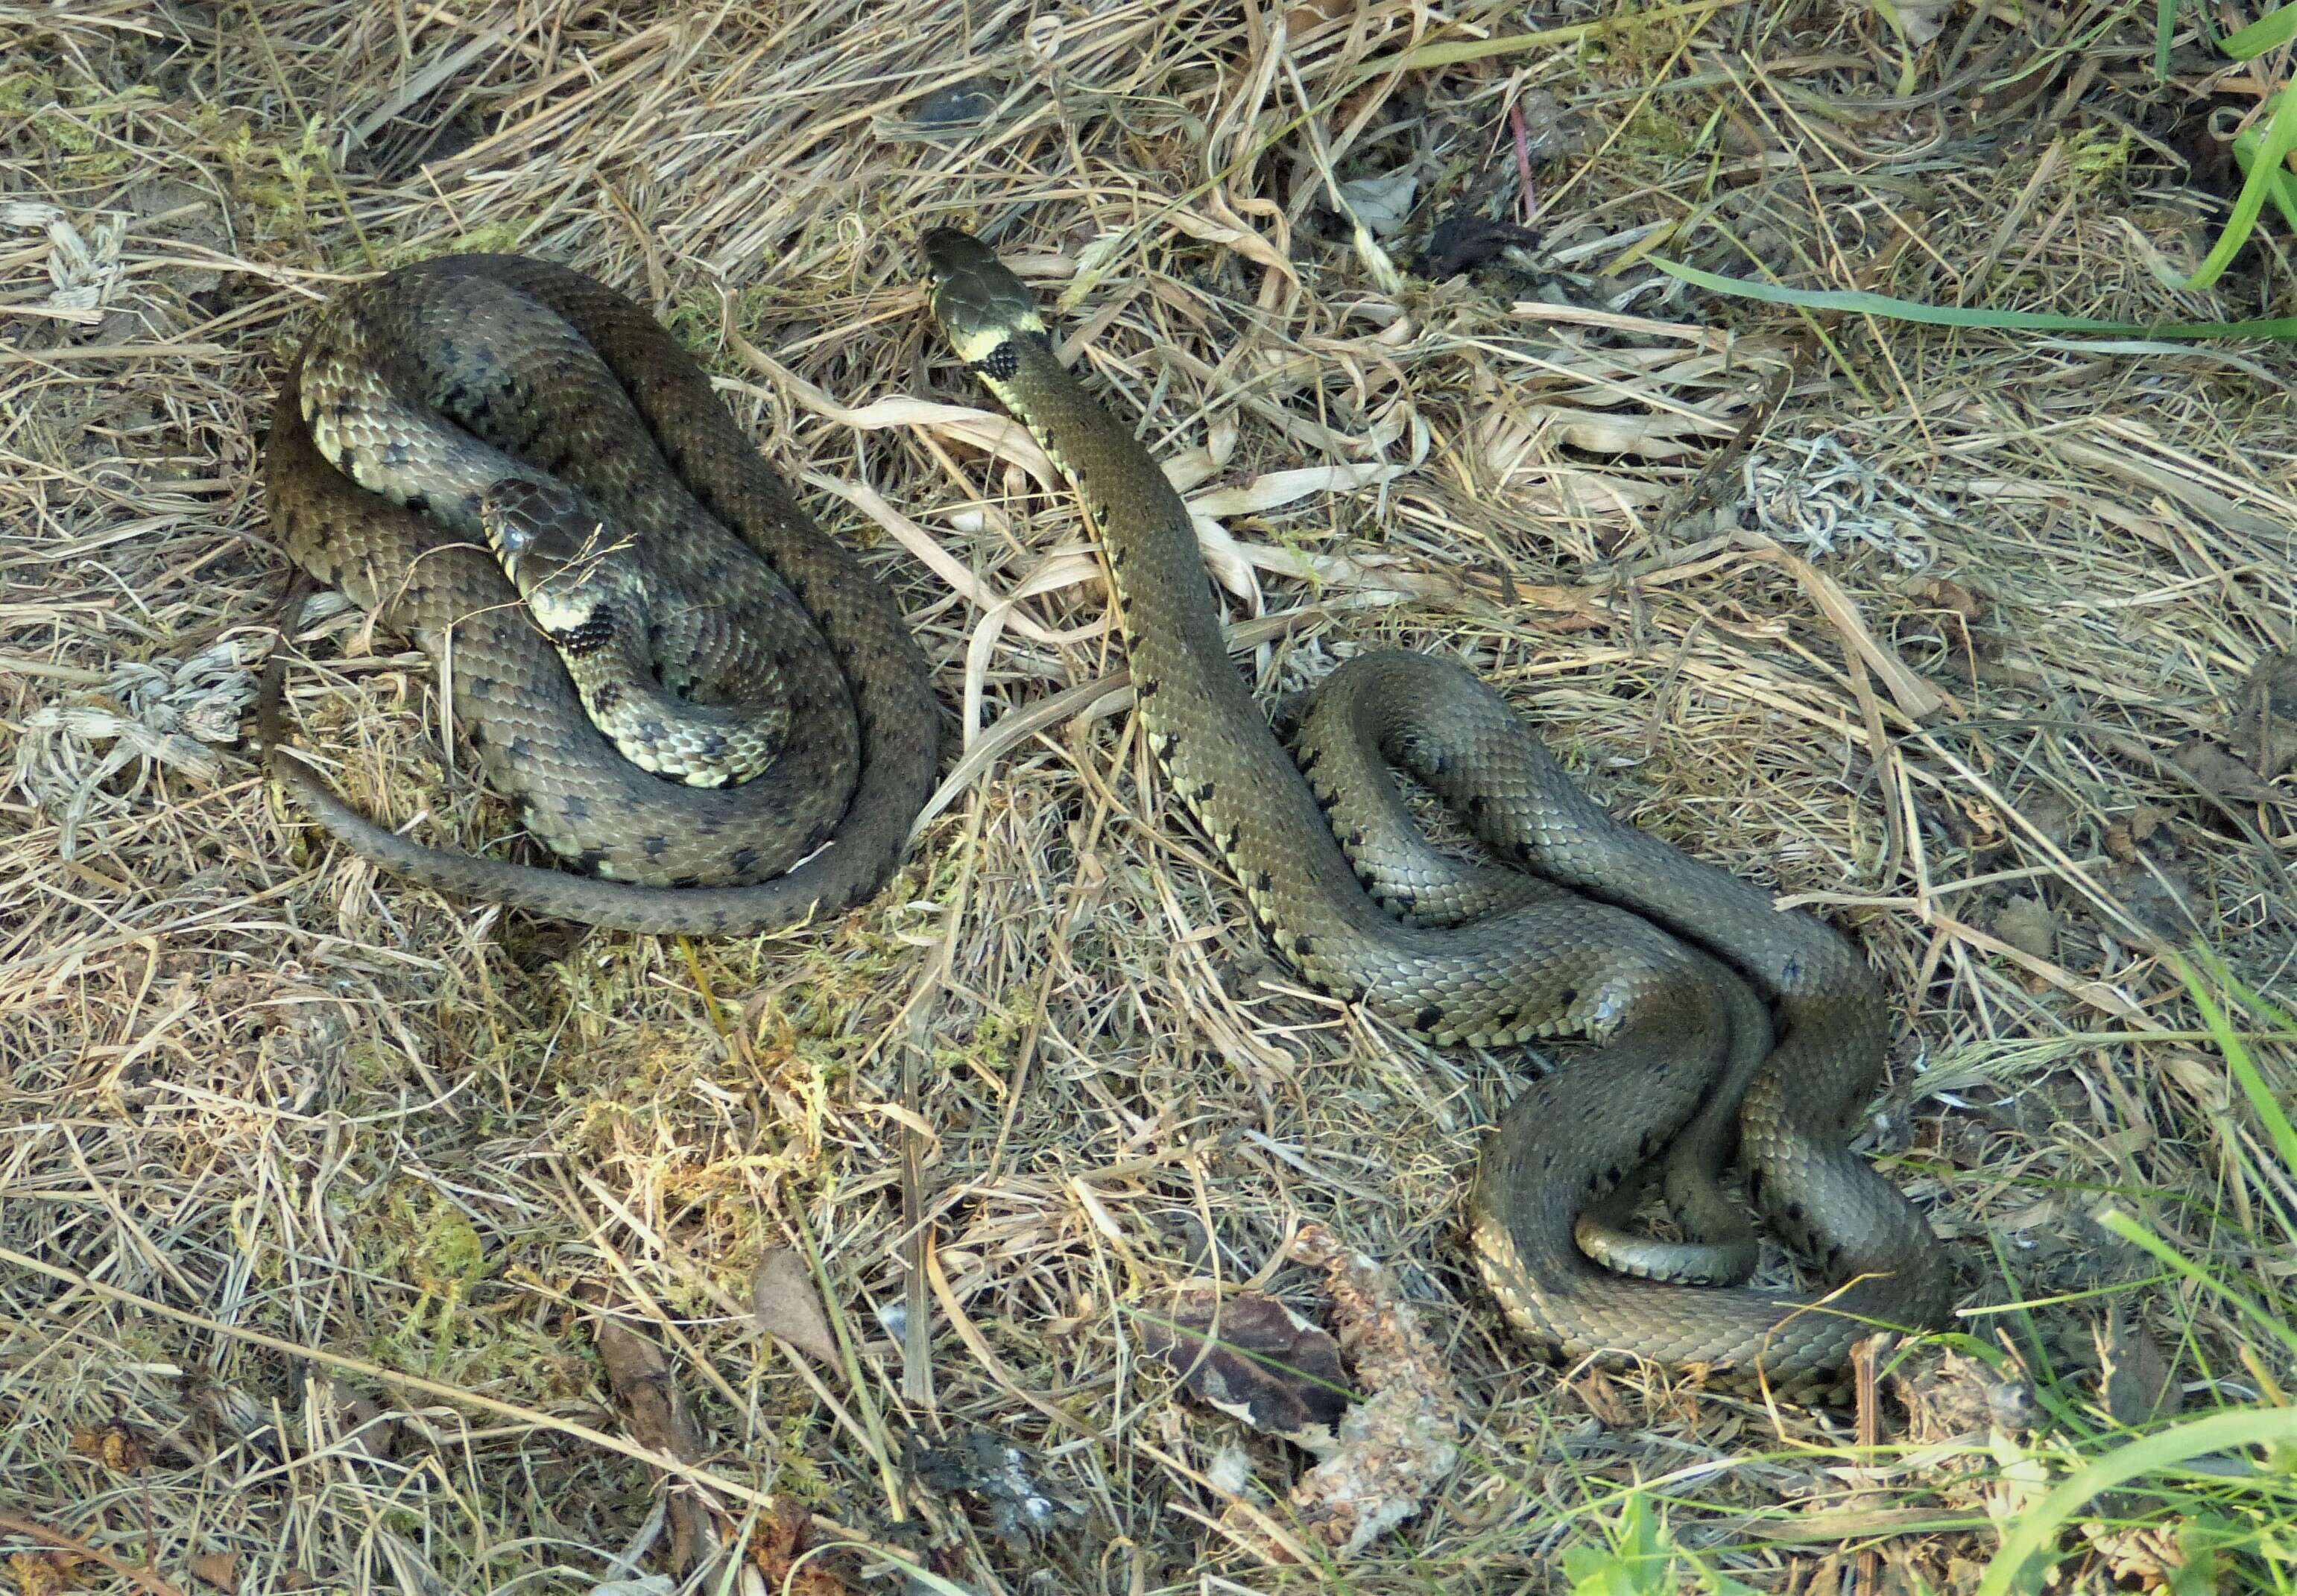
[
  {"x": 2036, "y": 1531},
  {"x": 2242, "y": 1065},
  {"x": 2276, "y": 27},
  {"x": 2280, "y": 329},
  {"x": 2280, "y": 138},
  {"x": 2137, "y": 1235}
]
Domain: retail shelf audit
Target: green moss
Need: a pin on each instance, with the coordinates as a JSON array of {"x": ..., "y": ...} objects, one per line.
[
  {"x": 2096, "y": 156},
  {"x": 1653, "y": 136},
  {"x": 488, "y": 238},
  {"x": 65, "y": 133},
  {"x": 796, "y": 1471},
  {"x": 276, "y": 181},
  {"x": 491, "y": 238},
  {"x": 421, "y": 1237},
  {"x": 695, "y": 320},
  {"x": 373, "y": 1063},
  {"x": 447, "y": 1253},
  {"x": 21, "y": 91}
]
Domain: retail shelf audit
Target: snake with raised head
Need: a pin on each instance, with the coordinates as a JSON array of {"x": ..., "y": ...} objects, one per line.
[
  {"x": 711, "y": 708},
  {"x": 1602, "y": 931}
]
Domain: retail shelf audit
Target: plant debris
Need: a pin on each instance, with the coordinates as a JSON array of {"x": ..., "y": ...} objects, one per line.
[
  {"x": 1253, "y": 1358},
  {"x": 1002, "y": 1474},
  {"x": 787, "y": 1306},
  {"x": 1391, "y": 1450}
]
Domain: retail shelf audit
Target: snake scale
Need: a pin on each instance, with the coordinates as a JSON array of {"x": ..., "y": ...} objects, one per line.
[
  {"x": 473, "y": 386},
  {"x": 1603, "y": 932}
]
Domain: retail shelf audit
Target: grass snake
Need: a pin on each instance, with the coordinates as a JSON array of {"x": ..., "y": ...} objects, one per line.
[
  {"x": 488, "y": 398},
  {"x": 1590, "y": 927}
]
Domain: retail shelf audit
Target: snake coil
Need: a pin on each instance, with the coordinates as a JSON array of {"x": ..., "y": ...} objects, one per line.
[
  {"x": 1601, "y": 930},
  {"x": 479, "y": 395}
]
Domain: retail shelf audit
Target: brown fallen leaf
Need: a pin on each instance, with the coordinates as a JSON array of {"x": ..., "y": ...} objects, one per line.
[
  {"x": 2151, "y": 1557},
  {"x": 1253, "y": 1358},
  {"x": 787, "y": 1306},
  {"x": 364, "y": 1423},
  {"x": 1313, "y": 13},
  {"x": 655, "y": 1413},
  {"x": 44, "y": 1573},
  {"x": 653, "y": 1410},
  {"x": 217, "y": 1568},
  {"x": 1950, "y": 597},
  {"x": 1603, "y": 1399},
  {"x": 2053, "y": 814},
  {"x": 1960, "y": 1398},
  {"x": 1973, "y": 823},
  {"x": 784, "y": 1532},
  {"x": 1955, "y": 606},
  {"x": 2135, "y": 1381},
  {"x": 2160, "y": 897},
  {"x": 2027, "y": 926},
  {"x": 2123, "y": 836},
  {"x": 2218, "y": 772},
  {"x": 1396, "y": 1446},
  {"x": 1919, "y": 20}
]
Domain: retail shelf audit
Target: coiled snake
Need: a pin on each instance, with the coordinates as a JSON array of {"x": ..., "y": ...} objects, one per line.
[
  {"x": 483, "y": 396},
  {"x": 1591, "y": 937}
]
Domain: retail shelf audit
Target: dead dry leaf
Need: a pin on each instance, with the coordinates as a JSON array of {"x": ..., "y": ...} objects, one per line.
[
  {"x": 116, "y": 1444},
  {"x": 2268, "y": 724},
  {"x": 1603, "y": 1399},
  {"x": 655, "y": 1411},
  {"x": 787, "y": 1306},
  {"x": 2161, "y": 898},
  {"x": 2136, "y": 1382},
  {"x": 2218, "y": 772},
  {"x": 2123, "y": 836},
  {"x": 1396, "y": 1446},
  {"x": 217, "y": 1568},
  {"x": 2027, "y": 926},
  {"x": 1253, "y": 1358},
  {"x": 2148, "y": 1557},
  {"x": 44, "y": 1572},
  {"x": 784, "y": 1533},
  {"x": 1951, "y": 597},
  {"x": 1959, "y": 1398},
  {"x": 1920, "y": 22}
]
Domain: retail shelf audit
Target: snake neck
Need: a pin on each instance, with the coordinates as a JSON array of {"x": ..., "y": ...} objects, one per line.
[{"x": 1209, "y": 738}]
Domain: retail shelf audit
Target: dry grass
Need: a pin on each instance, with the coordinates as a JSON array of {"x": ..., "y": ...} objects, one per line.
[{"x": 319, "y": 1183}]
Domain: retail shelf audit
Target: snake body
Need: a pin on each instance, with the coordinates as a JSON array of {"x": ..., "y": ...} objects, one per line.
[
  {"x": 428, "y": 391},
  {"x": 1604, "y": 931},
  {"x": 586, "y": 585}
]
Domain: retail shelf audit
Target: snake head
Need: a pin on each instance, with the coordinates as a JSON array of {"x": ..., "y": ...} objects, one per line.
[
  {"x": 557, "y": 549},
  {"x": 980, "y": 305}
]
